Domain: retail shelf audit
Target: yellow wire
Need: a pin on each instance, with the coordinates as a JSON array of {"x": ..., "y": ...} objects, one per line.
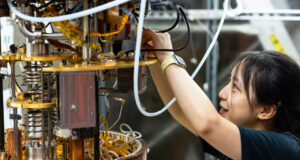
[
  {"x": 103, "y": 120},
  {"x": 67, "y": 29},
  {"x": 122, "y": 24},
  {"x": 63, "y": 28}
]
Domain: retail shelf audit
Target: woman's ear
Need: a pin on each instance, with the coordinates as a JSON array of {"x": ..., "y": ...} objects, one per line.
[{"x": 267, "y": 112}]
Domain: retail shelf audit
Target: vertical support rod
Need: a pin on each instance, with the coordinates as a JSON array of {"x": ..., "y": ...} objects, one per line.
[
  {"x": 42, "y": 86},
  {"x": 43, "y": 117},
  {"x": 49, "y": 135},
  {"x": 96, "y": 136},
  {"x": 65, "y": 148},
  {"x": 49, "y": 86},
  {"x": 57, "y": 97},
  {"x": 1, "y": 116},
  {"x": 15, "y": 110},
  {"x": 49, "y": 116},
  {"x": 95, "y": 29},
  {"x": 85, "y": 48},
  {"x": 43, "y": 135},
  {"x": 212, "y": 61}
]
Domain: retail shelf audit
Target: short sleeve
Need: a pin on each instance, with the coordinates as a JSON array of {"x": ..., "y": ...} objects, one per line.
[
  {"x": 207, "y": 148},
  {"x": 264, "y": 145}
]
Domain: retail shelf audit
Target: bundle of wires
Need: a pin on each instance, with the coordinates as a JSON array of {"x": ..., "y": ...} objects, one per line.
[
  {"x": 179, "y": 11},
  {"x": 138, "y": 50}
]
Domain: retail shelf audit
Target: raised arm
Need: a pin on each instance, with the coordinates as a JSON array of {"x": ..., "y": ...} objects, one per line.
[
  {"x": 193, "y": 108},
  {"x": 166, "y": 95}
]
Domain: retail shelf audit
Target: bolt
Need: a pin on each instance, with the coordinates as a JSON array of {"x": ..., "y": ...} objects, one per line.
[{"x": 73, "y": 108}]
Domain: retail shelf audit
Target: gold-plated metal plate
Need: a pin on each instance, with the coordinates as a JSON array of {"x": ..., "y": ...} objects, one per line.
[
  {"x": 24, "y": 104},
  {"x": 98, "y": 66},
  {"x": 53, "y": 57},
  {"x": 10, "y": 57}
]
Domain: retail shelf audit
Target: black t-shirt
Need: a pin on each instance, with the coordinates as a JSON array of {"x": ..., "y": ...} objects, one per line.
[{"x": 263, "y": 145}]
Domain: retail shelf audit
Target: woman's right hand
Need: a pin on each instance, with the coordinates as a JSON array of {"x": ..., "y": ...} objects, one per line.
[{"x": 153, "y": 40}]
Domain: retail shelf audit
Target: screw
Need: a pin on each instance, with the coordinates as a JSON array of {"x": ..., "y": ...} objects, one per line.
[{"x": 73, "y": 108}]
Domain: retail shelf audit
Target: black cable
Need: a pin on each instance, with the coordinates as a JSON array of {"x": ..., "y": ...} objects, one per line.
[
  {"x": 177, "y": 49},
  {"x": 136, "y": 17},
  {"x": 46, "y": 5},
  {"x": 166, "y": 30},
  {"x": 174, "y": 25}
]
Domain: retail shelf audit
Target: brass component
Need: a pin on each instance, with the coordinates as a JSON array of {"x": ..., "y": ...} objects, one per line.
[
  {"x": 22, "y": 96},
  {"x": 76, "y": 58},
  {"x": 3, "y": 155},
  {"x": 31, "y": 105},
  {"x": 122, "y": 24},
  {"x": 53, "y": 57},
  {"x": 17, "y": 57},
  {"x": 98, "y": 66},
  {"x": 75, "y": 34},
  {"x": 106, "y": 56},
  {"x": 77, "y": 149},
  {"x": 125, "y": 147},
  {"x": 10, "y": 139},
  {"x": 10, "y": 57},
  {"x": 111, "y": 16}
]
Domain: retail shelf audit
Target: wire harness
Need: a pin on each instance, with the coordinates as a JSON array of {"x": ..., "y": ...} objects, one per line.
[{"x": 137, "y": 55}]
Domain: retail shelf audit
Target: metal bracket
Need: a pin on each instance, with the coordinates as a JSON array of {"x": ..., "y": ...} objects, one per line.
[{"x": 14, "y": 116}]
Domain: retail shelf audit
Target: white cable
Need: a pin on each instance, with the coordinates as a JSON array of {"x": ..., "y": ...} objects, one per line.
[
  {"x": 137, "y": 55},
  {"x": 214, "y": 40},
  {"x": 68, "y": 16},
  {"x": 119, "y": 117}
]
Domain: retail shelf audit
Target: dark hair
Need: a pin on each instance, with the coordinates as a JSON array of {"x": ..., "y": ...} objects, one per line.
[{"x": 275, "y": 80}]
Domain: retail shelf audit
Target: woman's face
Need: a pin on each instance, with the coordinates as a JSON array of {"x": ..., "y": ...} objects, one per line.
[{"x": 234, "y": 103}]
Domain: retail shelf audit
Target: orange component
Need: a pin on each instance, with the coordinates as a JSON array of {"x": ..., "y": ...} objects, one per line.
[
  {"x": 77, "y": 149},
  {"x": 10, "y": 139},
  {"x": 74, "y": 29},
  {"x": 121, "y": 26}
]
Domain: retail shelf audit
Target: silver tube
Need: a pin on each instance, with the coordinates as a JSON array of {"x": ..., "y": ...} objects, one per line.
[
  {"x": 57, "y": 36},
  {"x": 30, "y": 34}
]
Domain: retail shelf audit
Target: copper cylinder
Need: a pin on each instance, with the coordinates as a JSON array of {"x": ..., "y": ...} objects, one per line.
[
  {"x": 10, "y": 142},
  {"x": 110, "y": 16},
  {"x": 139, "y": 145},
  {"x": 140, "y": 155},
  {"x": 77, "y": 149}
]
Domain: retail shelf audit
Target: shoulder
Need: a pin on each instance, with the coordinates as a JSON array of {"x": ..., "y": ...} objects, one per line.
[{"x": 269, "y": 144}]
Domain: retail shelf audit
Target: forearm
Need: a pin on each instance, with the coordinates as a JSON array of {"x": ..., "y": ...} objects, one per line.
[
  {"x": 193, "y": 102},
  {"x": 166, "y": 95}
]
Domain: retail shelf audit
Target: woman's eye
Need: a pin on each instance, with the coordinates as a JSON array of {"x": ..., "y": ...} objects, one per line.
[{"x": 234, "y": 86}]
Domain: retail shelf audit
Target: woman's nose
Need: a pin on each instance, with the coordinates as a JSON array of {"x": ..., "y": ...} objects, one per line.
[{"x": 223, "y": 93}]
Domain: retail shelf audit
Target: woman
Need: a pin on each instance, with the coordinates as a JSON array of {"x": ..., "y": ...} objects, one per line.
[{"x": 260, "y": 107}]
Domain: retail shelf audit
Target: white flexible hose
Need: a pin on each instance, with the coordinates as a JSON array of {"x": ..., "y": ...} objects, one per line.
[
  {"x": 65, "y": 17},
  {"x": 137, "y": 55}
]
